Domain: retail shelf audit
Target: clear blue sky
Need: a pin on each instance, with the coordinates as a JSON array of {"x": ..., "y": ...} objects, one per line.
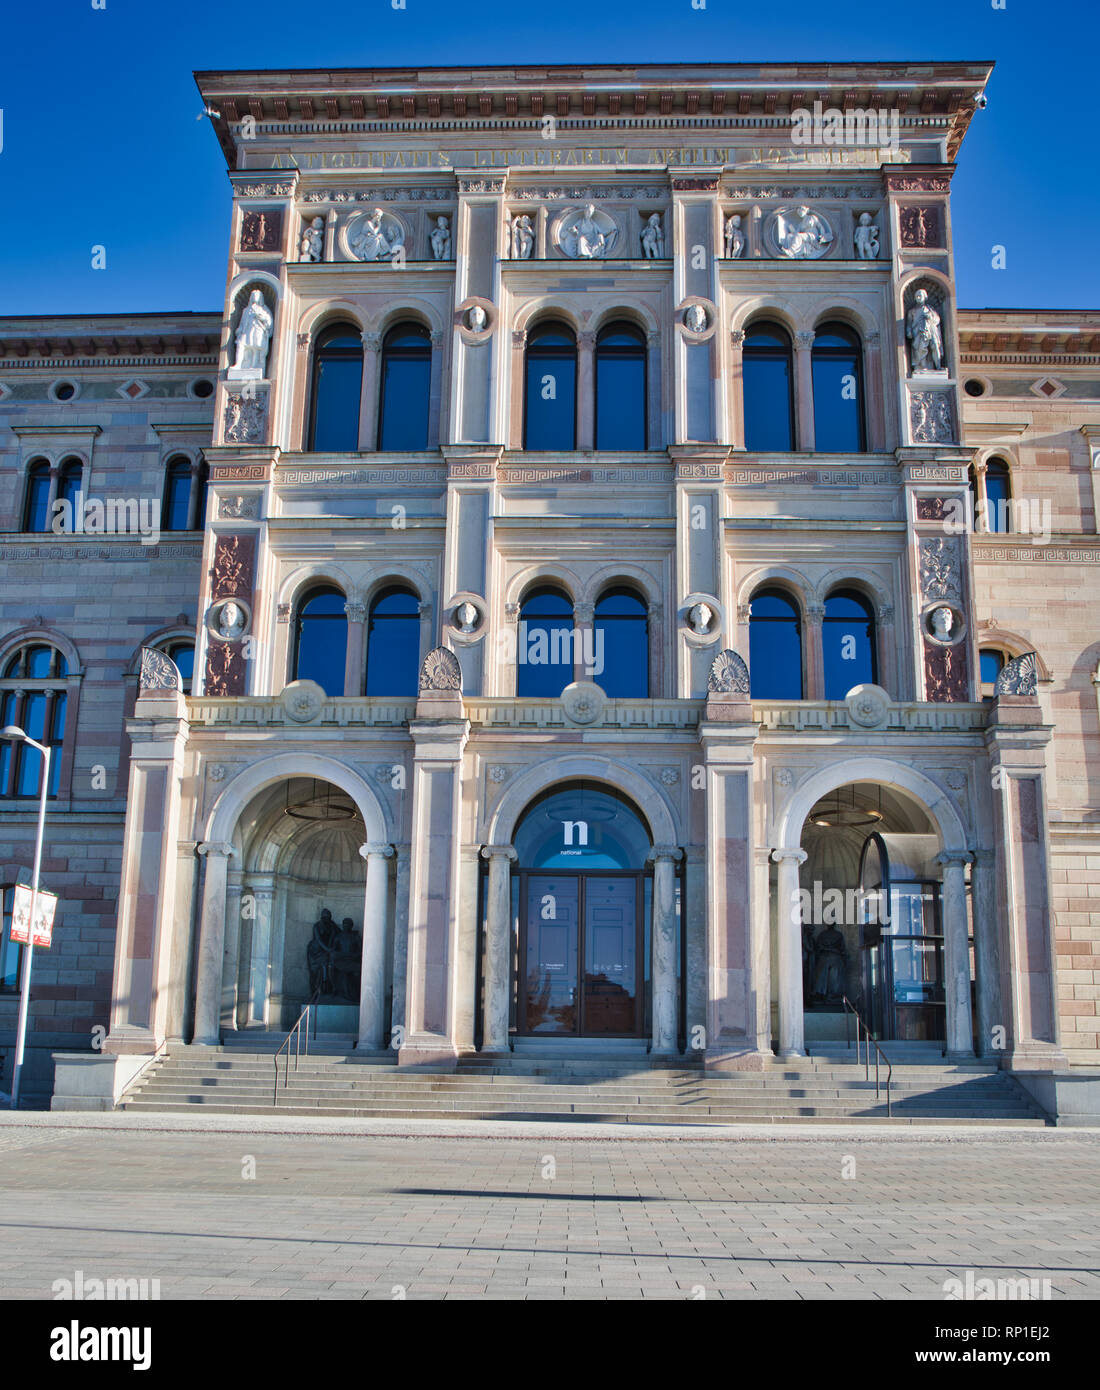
[{"x": 101, "y": 144}]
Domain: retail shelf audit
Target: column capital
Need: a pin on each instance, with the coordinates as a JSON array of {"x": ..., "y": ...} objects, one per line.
[
  {"x": 492, "y": 852},
  {"x": 954, "y": 856},
  {"x": 805, "y": 340},
  {"x": 799, "y": 856},
  {"x": 375, "y": 848},
  {"x": 660, "y": 852},
  {"x": 372, "y": 342},
  {"x": 586, "y": 341},
  {"x": 584, "y": 612},
  {"x": 356, "y": 612},
  {"x": 220, "y": 848}
]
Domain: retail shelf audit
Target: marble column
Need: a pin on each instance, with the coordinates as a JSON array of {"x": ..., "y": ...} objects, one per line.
[
  {"x": 586, "y": 391},
  {"x": 663, "y": 940},
  {"x": 262, "y": 891},
  {"x": 400, "y": 945},
  {"x": 496, "y": 986},
  {"x": 368, "y": 394},
  {"x": 814, "y": 651},
  {"x": 737, "y": 388},
  {"x": 584, "y": 616},
  {"x": 233, "y": 966},
  {"x": 983, "y": 890},
  {"x": 194, "y": 496},
  {"x": 355, "y": 664},
  {"x": 208, "y": 988},
  {"x": 804, "y": 393},
  {"x": 874, "y": 406},
  {"x": 789, "y": 923},
  {"x": 372, "y": 983},
  {"x": 956, "y": 952}
]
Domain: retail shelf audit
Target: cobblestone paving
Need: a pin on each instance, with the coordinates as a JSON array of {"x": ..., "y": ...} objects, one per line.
[{"x": 371, "y": 1216}]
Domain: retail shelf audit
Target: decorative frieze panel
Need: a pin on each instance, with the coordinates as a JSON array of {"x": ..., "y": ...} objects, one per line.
[
  {"x": 932, "y": 417},
  {"x": 921, "y": 226},
  {"x": 244, "y": 419},
  {"x": 262, "y": 230},
  {"x": 816, "y": 477}
]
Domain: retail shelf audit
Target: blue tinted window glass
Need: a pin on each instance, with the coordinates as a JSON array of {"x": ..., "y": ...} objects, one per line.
[
  {"x": 847, "y": 638},
  {"x": 838, "y": 408},
  {"x": 550, "y": 397},
  {"x": 177, "y": 497},
  {"x": 545, "y": 645},
  {"x": 406, "y": 382},
  {"x": 38, "y": 497},
  {"x": 321, "y": 646},
  {"x": 621, "y": 646},
  {"x": 766, "y": 377},
  {"x": 69, "y": 482},
  {"x": 620, "y": 389},
  {"x": 992, "y": 664},
  {"x": 11, "y": 952},
  {"x": 775, "y": 648},
  {"x": 583, "y": 826},
  {"x": 393, "y": 644},
  {"x": 997, "y": 494},
  {"x": 338, "y": 382}
]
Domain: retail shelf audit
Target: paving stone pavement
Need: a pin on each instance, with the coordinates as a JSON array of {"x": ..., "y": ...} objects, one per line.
[{"x": 537, "y": 1217}]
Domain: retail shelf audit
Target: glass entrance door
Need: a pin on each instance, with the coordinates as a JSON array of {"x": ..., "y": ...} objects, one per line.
[{"x": 582, "y": 954}]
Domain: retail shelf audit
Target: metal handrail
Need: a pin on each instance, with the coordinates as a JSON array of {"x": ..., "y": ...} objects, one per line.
[
  {"x": 869, "y": 1042},
  {"x": 296, "y": 1034}
]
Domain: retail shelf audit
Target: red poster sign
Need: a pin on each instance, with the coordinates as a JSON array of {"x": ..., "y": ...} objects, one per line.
[{"x": 45, "y": 911}]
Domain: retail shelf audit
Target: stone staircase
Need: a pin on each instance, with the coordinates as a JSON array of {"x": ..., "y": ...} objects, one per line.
[{"x": 558, "y": 1085}]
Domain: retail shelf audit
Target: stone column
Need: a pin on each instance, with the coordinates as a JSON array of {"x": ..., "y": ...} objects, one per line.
[
  {"x": 232, "y": 964},
  {"x": 194, "y": 496},
  {"x": 804, "y": 393},
  {"x": 498, "y": 949},
  {"x": 983, "y": 891},
  {"x": 368, "y": 396},
  {"x": 887, "y": 654},
  {"x": 789, "y": 920},
  {"x": 956, "y": 953},
  {"x": 208, "y": 988},
  {"x": 737, "y": 388},
  {"x": 355, "y": 664},
  {"x": 142, "y": 995},
  {"x": 584, "y": 616},
  {"x": 400, "y": 942},
  {"x": 586, "y": 391},
  {"x": 874, "y": 407},
  {"x": 762, "y": 946},
  {"x": 663, "y": 939},
  {"x": 981, "y": 505},
  {"x": 262, "y": 892},
  {"x": 695, "y": 947},
  {"x": 439, "y": 732},
  {"x": 372, "y": 983},
  {"x": 813, "y": 654}
]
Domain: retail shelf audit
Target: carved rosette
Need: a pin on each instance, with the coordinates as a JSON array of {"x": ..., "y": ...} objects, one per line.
[
  {"x": 1020, "y": 676},
  {"x": 441, "y": 671},
  {"x": 158, "y": 671},
  {"x": 729, "y": 675}
]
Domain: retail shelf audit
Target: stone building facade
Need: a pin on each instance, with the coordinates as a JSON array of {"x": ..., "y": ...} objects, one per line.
[{"x": 571, "y": 430}]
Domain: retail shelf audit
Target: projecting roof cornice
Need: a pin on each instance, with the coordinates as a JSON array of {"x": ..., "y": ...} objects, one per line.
[
  {"x": 311, "y": 102},
  {"x": 1030, "y": 336},
  {"x": 123, "y": 339}
]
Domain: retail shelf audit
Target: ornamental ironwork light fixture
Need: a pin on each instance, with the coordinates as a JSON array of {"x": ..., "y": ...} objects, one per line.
[
  {"x": 837, "y": 811},
  {"x": 322, "y": 805}
]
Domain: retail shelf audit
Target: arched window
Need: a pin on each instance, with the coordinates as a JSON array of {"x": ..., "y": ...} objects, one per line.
[
  {"x": 69, "y": 479},
  {"x": 775, "y": 647},
  {"x": 975, "y": 497},
  {"x": 337, "y": 384},
  {"x": 33, "y": 696},
  {"x": 767, "y": 379},
  {"x": 622, "y": 645},
  {"x": 621, "y": 387},
  {"x": 998, "y": 496},
  {"x": 176, "y": 509},
  {"x": 321, "y": 639},
  {"x": 837, "y": 359},
  {"x": 183, "y": 654},
  {"x": 393, "y": 643},
  {"x": 991, "y": 663},
  {"x": 848, "y": 642},
  {"x": 545, "y": 650},
  {"x": 11, "y": 952},
  {"x": 406, "y": 388},
  {"x": 36, "y": 511},
  {"x": 550, "y": 389}
]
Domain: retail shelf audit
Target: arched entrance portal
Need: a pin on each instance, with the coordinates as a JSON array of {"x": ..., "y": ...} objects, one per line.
[{"x": 583, "y": 900}]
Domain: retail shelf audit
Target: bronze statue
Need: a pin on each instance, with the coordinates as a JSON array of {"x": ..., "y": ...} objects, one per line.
[
  {"x": 347, "y": 962},
  {"x": 320, "y": 953},
  {"x": 831, "y": 973}
]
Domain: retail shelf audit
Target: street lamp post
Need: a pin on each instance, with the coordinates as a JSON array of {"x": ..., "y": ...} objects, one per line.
[{"x": 18, "y": 735}]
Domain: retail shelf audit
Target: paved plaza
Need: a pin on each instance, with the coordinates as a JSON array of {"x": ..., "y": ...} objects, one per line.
[{"x": 370, "y": 1210}]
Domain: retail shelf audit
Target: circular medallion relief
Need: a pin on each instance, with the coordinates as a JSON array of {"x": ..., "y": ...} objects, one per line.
[{"x": 583, "y": 702}]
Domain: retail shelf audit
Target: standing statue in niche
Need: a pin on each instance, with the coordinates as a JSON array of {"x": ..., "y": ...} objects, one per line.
[
  {"x": 441, "y": 239},
  {"x": 313, "y": 240},
  {"x": 653, "y": 238},
  {"x": 866, "y": 238},
  {"x": 922, "y": 328},
  {"x": 347, "y": 962},
  {"x": 830, "y": 965},
  {"x": 735, "y": 237},
  {"x": 320, "y": 954},
  {"x": 253, "y": 335},
  {"x": 523, "y": 238}
]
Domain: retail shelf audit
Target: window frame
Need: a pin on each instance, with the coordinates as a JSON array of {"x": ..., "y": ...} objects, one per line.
[
  {"x": 772, "y": 590},
  {"x": 38, "y": 468},
  {"x": 390, "y": 354},
  {"x": 856, "y": 351},
  {"x": 558, "y": 353},
  {"x": 321, "y": 588},
  {"x": 773, "y": 353},
  {"x": 333, "y": 329},
  {"x": 58, "y": 684},
  {"x": 639, "y": 351},
  {"x": 386, "y": 590}
]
